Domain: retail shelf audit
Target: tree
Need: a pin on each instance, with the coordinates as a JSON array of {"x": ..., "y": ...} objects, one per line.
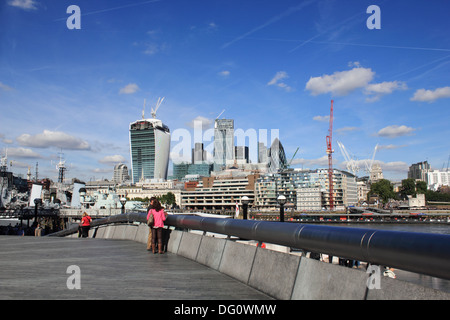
[
  {"x": 411, "y": 187},
  {"x": 383, "y": 189},
  {"x": 168, "y": 199},
  {"x": 408, "y": 188},
  {"x": 421, "y": 187}
]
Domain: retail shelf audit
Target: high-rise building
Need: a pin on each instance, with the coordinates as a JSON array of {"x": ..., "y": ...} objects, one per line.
[
  {"x": 241, "y": 154},
  {"x": 120, "y": 173},
  {"x": 149, "y": 149},
  {"x": 262, "y": 153},
  {"x": 419, "y": 171},
  {"x": 198, "y": 153},
  {"x": 223, "y": 143},
  {"x": 276, "y": 156}
]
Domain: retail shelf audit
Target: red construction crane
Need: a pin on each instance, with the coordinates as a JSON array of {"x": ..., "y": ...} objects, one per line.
[{"x": 330, "y": 158}]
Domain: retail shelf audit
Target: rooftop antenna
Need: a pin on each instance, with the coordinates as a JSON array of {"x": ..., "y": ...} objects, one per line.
[
  {"x": 143, "y": 111},
  {"x": 61, "y": 168},
  {"x": 160, "y": 100}
]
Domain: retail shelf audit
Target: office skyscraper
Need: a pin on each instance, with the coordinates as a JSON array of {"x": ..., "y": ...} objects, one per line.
[
  {"x": 149, "y": 149},
  {"x": 223, "y": 142},
  {"x": 198, "y": 153}
]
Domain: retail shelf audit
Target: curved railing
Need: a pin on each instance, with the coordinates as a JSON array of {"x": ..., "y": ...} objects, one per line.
[{"x": 422, "y": 253}]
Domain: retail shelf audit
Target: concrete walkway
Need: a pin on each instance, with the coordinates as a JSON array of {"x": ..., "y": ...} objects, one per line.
[{"x": 36, "y": 268}]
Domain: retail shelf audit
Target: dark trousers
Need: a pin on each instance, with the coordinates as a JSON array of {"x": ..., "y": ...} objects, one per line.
[
  {"x": 85, "y": 231},
  {"x": 157, "y": 235}
]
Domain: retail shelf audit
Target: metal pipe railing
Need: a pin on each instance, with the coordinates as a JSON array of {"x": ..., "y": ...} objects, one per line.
[
  {"x": 422, "y": 253},
  {"x": 416, "y": 252}
]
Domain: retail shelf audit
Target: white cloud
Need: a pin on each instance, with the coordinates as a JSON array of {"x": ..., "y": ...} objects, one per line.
[
  {"x": 341, "y": 82},
  {"x": 53, "y": 139},
  {"x": 347, "y": 129},
  {"x": 320, "y": 162},
  {"x": 205, "y": 123},
  {"x": 4, "y": 87},
  {"x": 390, "y": 147},
  {"x": 129, "y": 88},
  {"x": 431, "y": 95},
  {"x": 23, "y": 4},
  {"x": 395, "y": 131},
  {"x": 276, "y": 81},
  {"x": 380, "y": 89},
  {"x": 22, "y": 153},
  {"x": 321, "y": 118},
  {"x": 224, "y": 73},
  {"x": 113, "y": 159},
  {"x": 394, "y": 166}
]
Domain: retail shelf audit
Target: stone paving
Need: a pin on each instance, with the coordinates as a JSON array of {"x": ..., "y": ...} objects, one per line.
[{"x": 37, "y": 268}]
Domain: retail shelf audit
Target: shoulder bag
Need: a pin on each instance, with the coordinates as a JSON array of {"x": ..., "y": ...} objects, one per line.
[{"x": 151, "y": 220}]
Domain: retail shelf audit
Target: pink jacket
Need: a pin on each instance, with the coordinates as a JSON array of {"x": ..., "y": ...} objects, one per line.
[{"x": 158, "y": 216}]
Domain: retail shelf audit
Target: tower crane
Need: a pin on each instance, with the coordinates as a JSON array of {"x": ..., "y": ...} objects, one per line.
[
  {"x": 352, "y": 165},
  {"x": 330, "y": 157},
  {"x": 369, "y": 165},
  {"x": 287, "y": 165},
  {"x": 160, "y": 100}
]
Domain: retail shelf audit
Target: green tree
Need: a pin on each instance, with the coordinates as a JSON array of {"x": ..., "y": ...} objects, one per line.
[
  {"x": 412, "y": 187},
  {"x": 168, "y": 199},
  {"x": 408, "y": 188},
  {"x": 421, "y": 187},
  {"x": 383, "y": 189}
]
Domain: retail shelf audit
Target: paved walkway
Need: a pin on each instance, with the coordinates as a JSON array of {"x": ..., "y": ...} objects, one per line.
[{"x": 36, "y": 268}]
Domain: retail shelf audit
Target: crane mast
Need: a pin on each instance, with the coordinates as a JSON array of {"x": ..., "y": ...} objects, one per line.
[{"x": 330, "y": 158}]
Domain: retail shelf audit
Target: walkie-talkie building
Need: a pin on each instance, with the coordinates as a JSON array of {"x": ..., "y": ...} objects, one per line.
[{"x": 149, "y": 149}]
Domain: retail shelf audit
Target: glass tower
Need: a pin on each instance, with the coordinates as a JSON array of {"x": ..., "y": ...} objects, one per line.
[
  {"x": 149, "y": 149},
  {"x": 223, "y": 142}
]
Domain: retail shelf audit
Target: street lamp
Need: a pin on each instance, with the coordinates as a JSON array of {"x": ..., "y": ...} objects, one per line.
[
  {"x": 245, "y": 201},
  {"x": 37, "y": 202},
  {"x": 281, "y": 201},
  {"x": 123, "y": 201}
]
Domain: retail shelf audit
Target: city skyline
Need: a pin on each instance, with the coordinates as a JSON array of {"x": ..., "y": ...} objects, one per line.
[{"x": 269, "y": 65}]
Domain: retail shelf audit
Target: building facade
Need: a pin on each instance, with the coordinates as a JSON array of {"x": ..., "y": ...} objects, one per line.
[
  {"x": 310, "y": 199},
  {"x": 199, "y": 155},
  {"x": 120, "y": 173},
  {"x": 149, "y": 149},
  {"x": 306, "y": 189},
  {"x": 181, "y": 170},
  {"x": 418, "y": 171},
  {"x": 437, "y": 179},
  {"x": 223, "y": 143},
  {"x": 223, "y": 193}
]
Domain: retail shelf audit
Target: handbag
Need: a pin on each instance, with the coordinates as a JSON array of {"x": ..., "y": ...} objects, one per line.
[{"x": 151, "y": 220}]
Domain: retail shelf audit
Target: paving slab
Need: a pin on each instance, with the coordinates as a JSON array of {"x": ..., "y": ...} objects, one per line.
[{"x": 37, "y": 268}]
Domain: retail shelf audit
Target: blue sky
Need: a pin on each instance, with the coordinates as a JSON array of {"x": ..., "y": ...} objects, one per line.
[{"x": 269, "y": 64}]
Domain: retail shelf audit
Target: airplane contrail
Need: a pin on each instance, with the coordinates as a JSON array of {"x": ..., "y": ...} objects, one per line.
[
  {"x": 269, "y": 22},
  {"x": 114, "y": 8}
]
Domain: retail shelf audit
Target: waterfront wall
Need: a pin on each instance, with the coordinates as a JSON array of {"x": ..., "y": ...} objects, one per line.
[{"x": 281, "y": 275}]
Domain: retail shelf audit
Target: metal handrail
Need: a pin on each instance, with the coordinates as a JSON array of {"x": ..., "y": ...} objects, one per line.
[{"x": 423, "y": 253}]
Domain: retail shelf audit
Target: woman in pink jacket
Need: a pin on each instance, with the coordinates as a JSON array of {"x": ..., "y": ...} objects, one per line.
[{"x": 159, "y": 216}]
